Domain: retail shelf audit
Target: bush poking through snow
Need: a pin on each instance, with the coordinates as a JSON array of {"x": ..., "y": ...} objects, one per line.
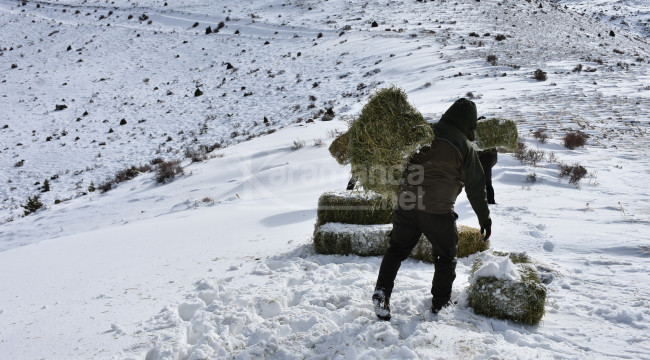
[
  {"x": 383, "y": 137},
  {"x": 196, "y": 155},
  {"x": 506, "y": 286},
  {"x": 541, "y": 135},
  {"x": 126, "y": 174},
  {"x": 122, "y": 176},
  {"x": 353, "y": 207},
  {"x": 540, "y": 75},
  {"x": 575, "y": 139},
  {"x": 575, "y": 173},
  {"x": 167, "y": 170},
  {"x": 497, "y": 133},
  {"x": 528, "y": 156},
  {"x": 33, "y": 204},
  {"x": 297, "y": 144},
  {"x": 531, "y": 178},
  {"x": 339, "y": 149}
]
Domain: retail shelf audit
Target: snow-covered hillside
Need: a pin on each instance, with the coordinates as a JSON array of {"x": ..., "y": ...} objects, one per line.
[
  {"x": 219, "y": 262},
  {"x": 629, "y": 15}
]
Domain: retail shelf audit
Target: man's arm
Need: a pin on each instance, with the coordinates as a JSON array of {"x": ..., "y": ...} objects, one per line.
[{"x": 475, "y": 187}]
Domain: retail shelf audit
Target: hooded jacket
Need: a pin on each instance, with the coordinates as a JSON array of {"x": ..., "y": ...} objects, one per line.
[{"x": 437, "y": 174}]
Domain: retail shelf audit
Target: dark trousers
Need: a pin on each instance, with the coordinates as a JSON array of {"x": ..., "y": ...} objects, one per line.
[{"x": 408, "y": 227}]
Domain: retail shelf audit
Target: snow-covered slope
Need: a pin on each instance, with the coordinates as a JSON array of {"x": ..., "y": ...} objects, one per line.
[
  {"x": 219, "y": 263},
  {"x": 628, "y": 15}
]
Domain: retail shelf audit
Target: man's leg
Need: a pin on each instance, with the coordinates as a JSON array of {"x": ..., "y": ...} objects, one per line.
[
  {"x": 403, "y": 238},
  {"x": 440, "y": 230}
]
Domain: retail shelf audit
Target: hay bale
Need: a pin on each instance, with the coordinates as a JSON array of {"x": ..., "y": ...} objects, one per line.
[
  {"x": 495, "y": 132},
  {"x": 347, "y": 239},
  {"x": 506, "y": 286},
  {"x": 339, "y": 149},
  {"x": 382, "y": 139},
  {"x": 470, "y": 241},
  {"x": 354, "y": 207},
  {"x": 373, "y": 240}
]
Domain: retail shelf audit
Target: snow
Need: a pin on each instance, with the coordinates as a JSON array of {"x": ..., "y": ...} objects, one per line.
[
  {"x": 219, "y": 263},
  {"x": 500, "y": 267}
]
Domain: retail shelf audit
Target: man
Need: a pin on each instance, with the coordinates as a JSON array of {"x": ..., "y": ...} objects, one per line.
[{"x": 425, "y": 204}]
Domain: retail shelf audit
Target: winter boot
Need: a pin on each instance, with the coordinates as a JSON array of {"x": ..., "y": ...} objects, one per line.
[
  {"x": 382, "y": 304},
  {"x": 437, "y": 306}
]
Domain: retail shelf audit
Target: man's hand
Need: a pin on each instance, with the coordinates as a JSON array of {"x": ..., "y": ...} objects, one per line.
[{"x": 487, "y": 230}]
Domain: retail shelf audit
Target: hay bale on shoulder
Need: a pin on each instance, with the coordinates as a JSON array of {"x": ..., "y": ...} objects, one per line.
[
  {"x": 506, "y": 286},
  {"x": 339, "y": 149},
  {"x": 347, "y": 239},
  {"x": 382, "y": 139},
  {"x": 354, "y": 207},
  {"x": 470, "y": 241},
  {"x": 494, "y": 133}
]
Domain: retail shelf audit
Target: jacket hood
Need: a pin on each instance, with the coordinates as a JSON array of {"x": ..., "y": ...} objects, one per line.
[{"x": 463, "y": 116}]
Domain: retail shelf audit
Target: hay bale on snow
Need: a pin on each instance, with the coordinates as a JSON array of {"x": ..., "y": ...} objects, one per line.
[
  {"x": 373, "y": 240},
  {"x": 506, "y": 286},
  {"x": 382, "y": 139},
  {"x": 470, "y": 241},
  {"x": 354, "y": 207},
  {"x": 495, "y": 132},
  {"x": 347, "y": 239}
]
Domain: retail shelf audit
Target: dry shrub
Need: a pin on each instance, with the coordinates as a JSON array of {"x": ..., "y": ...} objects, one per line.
[
  {"x": 383, "y": 137},
  {"x": 541, "y": 135},
  {"x": 528, "y": 156},
  {"x": 122, "y": 176},
  {"x": 167, "y": 170},
  {"x": 540, "y": 75},
  {"x": 531, "y": 178},
  {"x": 126, "y": 174},
  {"x": 575, "y": 173},
  {"x": 575, "y": 139},
  {"x": 297, "y": 144},
  {"x": 196, "y": 155}
]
